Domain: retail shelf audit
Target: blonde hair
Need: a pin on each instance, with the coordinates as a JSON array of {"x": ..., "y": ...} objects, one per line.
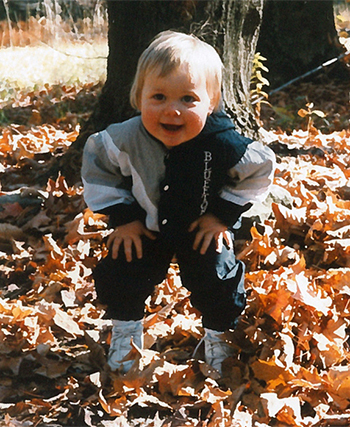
[{"x": 167, "y": 52}]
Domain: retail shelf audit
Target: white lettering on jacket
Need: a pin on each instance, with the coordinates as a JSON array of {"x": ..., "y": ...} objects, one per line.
[{"x": 206, "y": 182}]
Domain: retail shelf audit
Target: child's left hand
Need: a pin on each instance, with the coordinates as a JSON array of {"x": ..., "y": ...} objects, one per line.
[{"x": 209, "y": 228}]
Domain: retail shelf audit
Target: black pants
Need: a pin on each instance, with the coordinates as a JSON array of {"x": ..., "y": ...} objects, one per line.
[{"x": 215, "y": 280}]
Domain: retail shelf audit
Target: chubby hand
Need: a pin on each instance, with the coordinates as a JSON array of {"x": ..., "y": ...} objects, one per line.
[
  {"x": 209, "y": 228},
  {"x": 129, "y": 235}
]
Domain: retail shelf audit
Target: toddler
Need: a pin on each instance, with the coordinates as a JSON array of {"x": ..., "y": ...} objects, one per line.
[{"x": 174, "y": 180}]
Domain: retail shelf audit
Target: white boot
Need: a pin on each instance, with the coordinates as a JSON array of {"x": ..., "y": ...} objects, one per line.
[
  {"x": 122, "y": 332},
  {"x": 216, "y": 350}
]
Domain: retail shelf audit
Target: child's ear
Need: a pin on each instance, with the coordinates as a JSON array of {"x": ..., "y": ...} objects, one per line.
[
  {"x": 211, "y": 108},
  {"x": 213, "y": 104}
]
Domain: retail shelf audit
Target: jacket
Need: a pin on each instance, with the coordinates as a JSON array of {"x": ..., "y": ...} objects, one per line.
[{"x": 128, "y": 175}]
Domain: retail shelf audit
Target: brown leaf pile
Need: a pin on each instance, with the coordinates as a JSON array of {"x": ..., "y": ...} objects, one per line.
[
  {"x": 291, "y": 365},
  {"x": 329, "y": 95}
]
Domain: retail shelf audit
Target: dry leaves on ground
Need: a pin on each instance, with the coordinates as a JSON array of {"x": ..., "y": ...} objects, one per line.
[{"x": 291, "y": 363}]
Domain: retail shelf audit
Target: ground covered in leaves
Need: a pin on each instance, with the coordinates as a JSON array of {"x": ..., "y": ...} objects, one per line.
[{"x": 291, "y": 365}]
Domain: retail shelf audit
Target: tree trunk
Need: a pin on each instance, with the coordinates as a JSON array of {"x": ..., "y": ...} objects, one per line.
[
  {"x": 240, "y": 24},
  {"x": 297, "y": 36},
  {"x": 231, "y": 26},
  {"x": 132, "y": 25}
]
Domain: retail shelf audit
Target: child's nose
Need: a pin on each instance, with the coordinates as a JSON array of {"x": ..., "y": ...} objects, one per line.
[{"x": 173, "y": 109}]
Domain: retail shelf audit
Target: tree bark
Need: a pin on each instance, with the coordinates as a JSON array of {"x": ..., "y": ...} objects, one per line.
[
  {"x": 240, "y": 24},
  {"x": 297, "y": 36}
]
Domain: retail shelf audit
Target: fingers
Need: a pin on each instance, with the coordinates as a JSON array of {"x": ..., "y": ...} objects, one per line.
[
  {"x": 224, "y": 238},
  {"x": 228, "y": 240},
  {"x": 193, "y": 226},
  {"x": 138, "y": 247},
  {"x": 197, "y": 240},
  {"x": 113, "y": 243},
  {"x": 206, "y": 243},
  {"x": 219, "y": 245},
  {"x": 203, "y": 240},
  {"x": 128, "y": 243},
  {"x": 128, "y": 236},
  {"x": 149, "y": 234}
]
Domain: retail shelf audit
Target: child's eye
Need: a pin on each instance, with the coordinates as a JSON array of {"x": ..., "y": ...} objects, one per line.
[
  {"x": 188, "y": 99},
  {"x": 158, "y": 97}
]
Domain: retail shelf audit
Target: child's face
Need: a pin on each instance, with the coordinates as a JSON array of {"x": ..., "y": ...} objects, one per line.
[{"x": 174, "y": 108}]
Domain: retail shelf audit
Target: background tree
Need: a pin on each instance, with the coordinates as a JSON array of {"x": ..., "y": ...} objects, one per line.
[
  {"x": 232, "y": 27},
  {"x": 297, "y": 36}
]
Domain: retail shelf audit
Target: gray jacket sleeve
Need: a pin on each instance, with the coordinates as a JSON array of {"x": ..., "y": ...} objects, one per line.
[
  {"x": 251, "y": 178},
  {"x": 106, "y": 189},
  {"x": 248, "y": 182}
]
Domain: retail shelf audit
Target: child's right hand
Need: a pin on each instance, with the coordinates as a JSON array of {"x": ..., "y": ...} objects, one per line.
[{"x": 129, "y": 235}]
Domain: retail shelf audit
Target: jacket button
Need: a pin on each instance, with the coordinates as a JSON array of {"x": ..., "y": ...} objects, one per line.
[
  {"x": 164, "y": 221},
  {"x": 166, "y": 188}
]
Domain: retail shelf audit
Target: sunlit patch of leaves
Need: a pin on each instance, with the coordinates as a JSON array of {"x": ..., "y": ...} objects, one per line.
[{"x": 63, "y": 105}]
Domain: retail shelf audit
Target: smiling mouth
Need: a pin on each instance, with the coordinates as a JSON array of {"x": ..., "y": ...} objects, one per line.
[{"x": 171, "y": 128}]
